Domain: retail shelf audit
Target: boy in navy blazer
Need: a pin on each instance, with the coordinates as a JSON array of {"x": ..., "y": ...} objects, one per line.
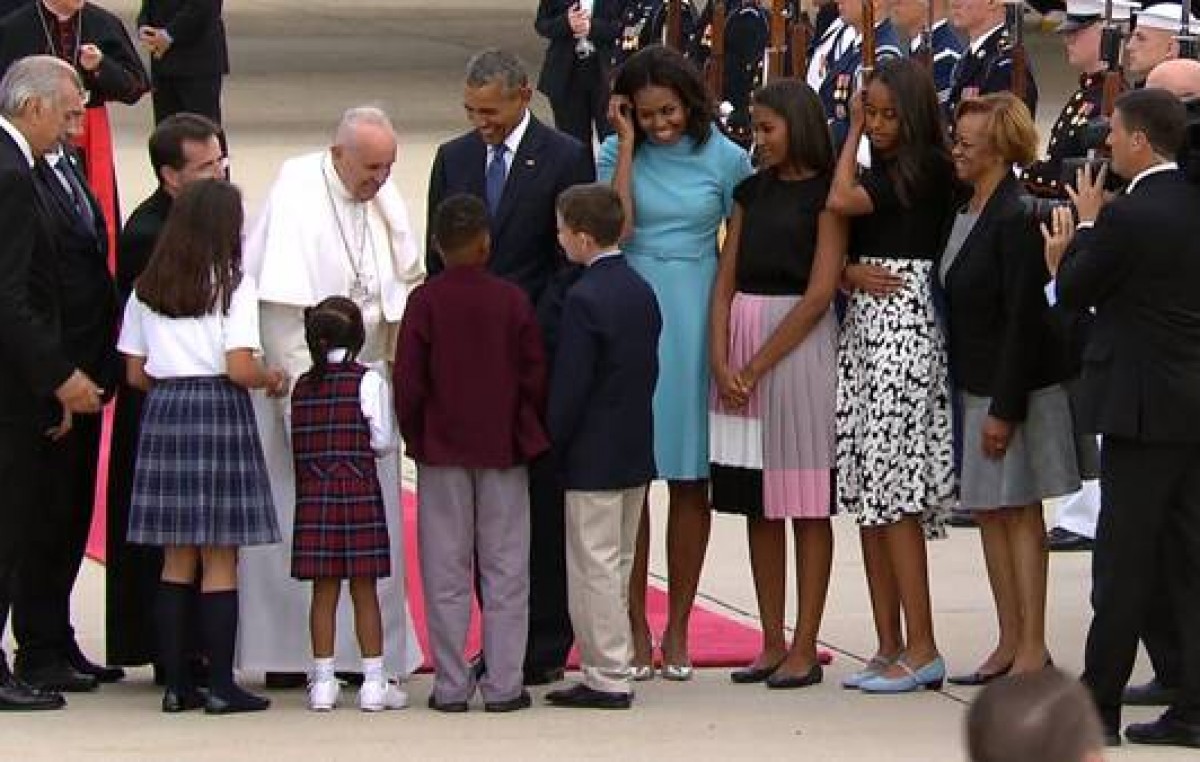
[{"x": 601, "y": 424}]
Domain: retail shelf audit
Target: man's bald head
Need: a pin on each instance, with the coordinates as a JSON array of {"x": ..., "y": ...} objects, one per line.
[
  {"x": 1180, "y": 76},
  {"x": 364, "y": 150}
]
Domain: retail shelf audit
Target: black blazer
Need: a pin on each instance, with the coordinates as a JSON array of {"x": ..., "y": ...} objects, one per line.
[
  {"x": 120, "y": 77},
  {"x": 551, "y": 23},
  {"x": 34, "y": 363},
  {"x": 138, "y": 238},
  {"x": 601, "y": 416},
  {"x": 197, "y": 31},
  {"x": 1003, "y": 342},
  {"x": 1139, "y": 267},
  {"x": 88, "y": 296},
  {"x": 524, "y": 230}
]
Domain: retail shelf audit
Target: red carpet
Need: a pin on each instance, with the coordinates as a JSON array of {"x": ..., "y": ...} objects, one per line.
[{"x": 716, "y": 640}]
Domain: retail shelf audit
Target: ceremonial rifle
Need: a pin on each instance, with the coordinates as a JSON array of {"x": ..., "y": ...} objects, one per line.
[
  {"x": 674, "y": 25},
  {"x": 714, "y": 68},
  {"x": 868, "y": 42},
  {"x": 1111, "y": 42},
  {"x": 776, "y": 42},
  {"x": 1187, "y": 39},
  {"x": 799, "y": 37},
  {"x": 1014, "y": 21}
]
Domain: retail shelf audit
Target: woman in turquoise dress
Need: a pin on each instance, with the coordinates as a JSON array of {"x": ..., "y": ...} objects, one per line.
[{"x": 675, "y": 173}]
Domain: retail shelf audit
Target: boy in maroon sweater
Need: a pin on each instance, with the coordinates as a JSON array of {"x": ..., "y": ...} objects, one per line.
[{"x": 470, "y": 380}]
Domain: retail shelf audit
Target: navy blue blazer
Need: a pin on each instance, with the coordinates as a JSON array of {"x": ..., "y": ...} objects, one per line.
[
  {"x": 601, "y": 415},
  {"x": 524, "y": 230}
]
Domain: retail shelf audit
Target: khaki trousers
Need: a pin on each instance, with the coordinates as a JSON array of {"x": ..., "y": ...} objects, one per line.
[{"x": 601, "y": 533}]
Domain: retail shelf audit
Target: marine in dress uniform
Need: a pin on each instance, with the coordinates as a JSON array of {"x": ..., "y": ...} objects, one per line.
[
  {"x": 644, "y": 22},
  {"x": 747, "y": 27}
]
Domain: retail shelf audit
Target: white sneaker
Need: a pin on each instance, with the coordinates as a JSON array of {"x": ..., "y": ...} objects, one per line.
[
  {"x": 323, "y": 695},
  {"x": 377, "y": 695}
]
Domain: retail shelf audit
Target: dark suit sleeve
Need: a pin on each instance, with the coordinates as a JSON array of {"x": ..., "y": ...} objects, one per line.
[
  {"x": 437, "y": 192},
  {"x": 191, "y": 21},
  {"x": 1098, "y": 259},
  {"x": 24, "y": 337},
  {"x": 1023, "y": 273},
  {"x": 574, "y": 369},
  {"x": 120, "y": 76},
  {"x": 551, "y": 21},
  {"x": 410, "y": 373}
]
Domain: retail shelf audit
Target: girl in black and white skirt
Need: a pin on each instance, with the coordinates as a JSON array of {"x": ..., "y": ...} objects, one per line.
[
  {"x": 200, "y": 488},
  {"x": 895, "y": 464}
]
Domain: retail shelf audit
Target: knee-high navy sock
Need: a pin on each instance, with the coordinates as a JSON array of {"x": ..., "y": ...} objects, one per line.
[
  {"x": 170, "y": 614},
  {"x": 219, "y": 621}
]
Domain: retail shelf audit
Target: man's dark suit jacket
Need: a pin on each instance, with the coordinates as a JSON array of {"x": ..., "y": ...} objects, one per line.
[
  {"x": 524, "y": 230},
  {"x": 198, "y": 37},
  {"x": 89, "y": 298},
  {"x": 120, "y": 76},
  {"x": 34, "y": 363},
  {"x": 138, "y": 238},
  {"x": 1139, "y": 266},
  {"x": 551, "y": 23},
  {"x": 601, "y": 415},
  {"x": 1001, "y": 340}
]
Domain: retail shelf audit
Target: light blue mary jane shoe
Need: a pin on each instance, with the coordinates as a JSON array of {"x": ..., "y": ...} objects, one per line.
[
  {"x": 930, "y": 676},
  {"x": 874, "y": 666}
]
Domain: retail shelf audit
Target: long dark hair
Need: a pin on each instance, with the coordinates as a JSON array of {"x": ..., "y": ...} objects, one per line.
[
  {"x": 335, "y": 323},
  {"x": 659, "y": 66},
  {"x": 922, "y": 143},
  {"x": 197, "y": 264},
  {"x": 810, "y": 146}
]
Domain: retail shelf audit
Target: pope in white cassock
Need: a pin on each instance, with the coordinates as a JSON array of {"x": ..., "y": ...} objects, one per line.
[{"x": 331, "y": 225}]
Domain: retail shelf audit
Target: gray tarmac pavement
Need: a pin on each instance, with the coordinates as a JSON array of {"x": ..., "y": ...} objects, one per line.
[{"x": 296, "y": 65}]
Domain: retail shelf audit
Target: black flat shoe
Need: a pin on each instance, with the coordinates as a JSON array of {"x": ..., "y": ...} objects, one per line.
[
  {"x": 1152, "y": 693},
  {"x": 813, "y": 676},
  {"x": 449, "y": 707},
  {"x": 1060, "y": 540},
  {"x": 579, "y": 696},
  {"x": 750, "y": 675},
  {"x": 978, "y": 677},
  {"x": 515, "y": 704},
  {"x": 77, "y": 659},
  {"x": 16, "y": 696},
  {"x": 236, "y": 702},
  {"x": 1168, "y": 730},
  {"x": 174, "y": 702}
]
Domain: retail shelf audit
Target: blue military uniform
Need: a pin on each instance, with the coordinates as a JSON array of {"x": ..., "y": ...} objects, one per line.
[
  {"x": 988, "y": 69},
  {"x": 947, "y": 49},
  {"x": 841, "y": 78}
]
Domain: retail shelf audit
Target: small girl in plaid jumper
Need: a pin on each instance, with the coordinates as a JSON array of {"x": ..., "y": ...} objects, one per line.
[{"x": 341, "y": 420}]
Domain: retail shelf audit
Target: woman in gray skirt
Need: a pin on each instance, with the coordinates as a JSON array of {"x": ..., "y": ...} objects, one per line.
[
  {"x": 200, "y": 488},
  {"x": 1018, "y": 443}
]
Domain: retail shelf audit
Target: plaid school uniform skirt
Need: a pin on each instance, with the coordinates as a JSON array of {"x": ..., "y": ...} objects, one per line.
[{"x": 200, "y": 476}]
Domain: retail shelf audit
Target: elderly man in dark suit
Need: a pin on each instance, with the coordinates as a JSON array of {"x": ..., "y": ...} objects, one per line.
[
  {"x": 188, "y": 55},
  {"x": 40, "y": 388},
  {"x": 519, "y": 166},
  {"x": 1140, "y": 388}
]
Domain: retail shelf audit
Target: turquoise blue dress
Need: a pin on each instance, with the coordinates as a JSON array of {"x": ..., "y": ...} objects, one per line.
[{"x": 681, "y": 195}]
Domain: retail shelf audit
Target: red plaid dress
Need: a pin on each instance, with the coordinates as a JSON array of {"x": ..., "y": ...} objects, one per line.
[{"x": 340, "y": 529}]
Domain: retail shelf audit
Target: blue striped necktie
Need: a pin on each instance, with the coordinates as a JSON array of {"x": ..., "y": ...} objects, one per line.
[{"x": 497, "y": 171}]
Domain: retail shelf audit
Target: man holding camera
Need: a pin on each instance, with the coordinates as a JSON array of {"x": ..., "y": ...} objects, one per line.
[{"x": 1140, "y": 388}]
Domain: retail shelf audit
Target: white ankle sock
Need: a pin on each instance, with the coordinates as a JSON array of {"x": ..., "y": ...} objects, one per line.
[
  {"x": 323, "y": 669},
  {"x": 373, "y": 669}
]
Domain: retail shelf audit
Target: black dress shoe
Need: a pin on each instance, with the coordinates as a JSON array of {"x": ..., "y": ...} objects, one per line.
[
  {"x": 1152, "y": 693},
  {"x": 579, "y": 696},
  {"x": 1062, "y": 540},
  {"x": 284, "y": 681},
  {"x": 753, "y": 674},
  {"x": 449, "y": 707},
  {"x": 83, "y": 664},
  {"x": 58, "y": 677},
  {"x": 520, "y": 701},
  {"x": 235, "y": 701},
  {"x": 962, "y": 519},
  {"x": 1168, "y": 730},
  {"x": 174, "y": 701},
  {"x": 544, "y": 676},
  {"x": 781, "y": 681},
  {"x": 17, "y": 696},
  {"x": 978, "y": 678}
]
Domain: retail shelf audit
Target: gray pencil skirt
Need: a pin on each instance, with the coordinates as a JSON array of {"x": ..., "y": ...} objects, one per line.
[{"x": 1044, "y": 457}]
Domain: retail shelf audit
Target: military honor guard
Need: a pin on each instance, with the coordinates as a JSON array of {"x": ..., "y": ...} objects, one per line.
[
  {"x": 1154, "y": 39},
  {"x": 842, "y": 79},
  {"x": 1080, "y": 32},
  {"x": 987, "y": 63}
]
